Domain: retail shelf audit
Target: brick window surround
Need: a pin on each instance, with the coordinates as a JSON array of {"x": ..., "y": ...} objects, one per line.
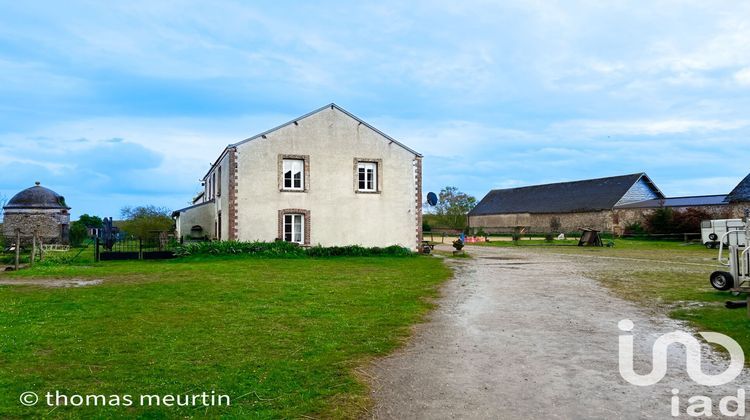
[
  {"x": 378, "y": 175},
  {"x": 306, "y": 180},
  {"x": 306, "y": 215}
]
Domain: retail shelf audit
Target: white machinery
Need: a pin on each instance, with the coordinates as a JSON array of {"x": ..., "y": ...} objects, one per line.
[
  {"x": 712, "y": 230},
  {"x": 737, "y": 259}
]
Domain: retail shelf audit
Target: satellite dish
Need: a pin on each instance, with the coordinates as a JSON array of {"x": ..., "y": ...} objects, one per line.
[{"x": 432, "y": 198}]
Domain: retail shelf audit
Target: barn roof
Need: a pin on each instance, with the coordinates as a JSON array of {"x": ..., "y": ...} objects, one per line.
[
  {"x": 741, "y": 192},
  {"x": 562, "y": 197},
  {"x": 692, "y": 201}
]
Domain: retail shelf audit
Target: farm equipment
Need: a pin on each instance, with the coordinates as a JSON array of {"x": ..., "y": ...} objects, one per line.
[{"x": 736, "y": 277}]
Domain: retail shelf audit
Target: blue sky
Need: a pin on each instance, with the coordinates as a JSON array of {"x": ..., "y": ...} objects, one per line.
[{"x": 126, "y": 103}]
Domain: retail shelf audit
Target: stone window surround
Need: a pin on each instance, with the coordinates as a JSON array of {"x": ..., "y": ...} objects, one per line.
[
  {"x": 306, "y": 215},
  {"x": 305, "y": 181},
  {"x": 378, "y": 175}
]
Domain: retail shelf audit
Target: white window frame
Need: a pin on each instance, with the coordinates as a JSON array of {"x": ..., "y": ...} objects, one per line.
[
  {"x": 297, "y": 233},
  {"x": 296, "y": 166},
  {"x": 371, "y": 178}
]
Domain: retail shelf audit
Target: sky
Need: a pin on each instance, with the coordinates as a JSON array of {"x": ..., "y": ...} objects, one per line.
[{"x": 116, "y": 104}]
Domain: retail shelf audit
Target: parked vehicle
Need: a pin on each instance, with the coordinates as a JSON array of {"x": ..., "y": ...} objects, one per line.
[{"x": 713, "y": 230}]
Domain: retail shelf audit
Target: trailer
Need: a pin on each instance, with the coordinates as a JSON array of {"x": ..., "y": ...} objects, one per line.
[{"x": 713, "y": 230}]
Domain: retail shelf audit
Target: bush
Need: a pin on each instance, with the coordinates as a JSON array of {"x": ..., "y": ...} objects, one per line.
[
  {"x": 78, "y": 233},
  {"x": 549, "y": 237},
  {"x": 666, "y": 220},
  {"x": 634, "y": 228},
  {"x": 281, "y": 249}
]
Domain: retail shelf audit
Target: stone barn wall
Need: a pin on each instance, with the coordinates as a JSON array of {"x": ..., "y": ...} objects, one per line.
[
  {"x": 541, "y": 223},
  {"x": 624, "y": 217}
]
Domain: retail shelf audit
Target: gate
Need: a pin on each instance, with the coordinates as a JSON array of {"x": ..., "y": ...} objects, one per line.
[{"x": 156, "y": 246}]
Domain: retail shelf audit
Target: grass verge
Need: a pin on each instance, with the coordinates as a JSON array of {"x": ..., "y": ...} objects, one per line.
[{"x": 282, "y": 338}]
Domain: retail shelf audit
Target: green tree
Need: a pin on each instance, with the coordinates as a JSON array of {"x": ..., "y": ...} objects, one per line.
[
  {"x": 453, "y": 206},
  {"x": 79, "y": 230},
  {"x": 143, "y": 221},
  {"x": 78, "y": 233},
  {"x": 94, "y": 222}
]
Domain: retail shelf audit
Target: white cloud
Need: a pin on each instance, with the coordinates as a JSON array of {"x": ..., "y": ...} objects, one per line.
[{"x": 743, "y": 76}]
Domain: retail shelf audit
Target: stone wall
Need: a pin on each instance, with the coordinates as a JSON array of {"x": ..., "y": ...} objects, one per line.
[
  {"x": 541, "y": 223},
  {"x": 605, "y": 220},
  {"x": 50, "y": 226}
]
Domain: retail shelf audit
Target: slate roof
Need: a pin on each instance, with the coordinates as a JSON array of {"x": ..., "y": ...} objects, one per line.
[
  {"x": 693, "y": 201},
  {"x": 563, "y": 197},
  {"x": 37, "y": 197},
  {"x": 741, "y": 192}
]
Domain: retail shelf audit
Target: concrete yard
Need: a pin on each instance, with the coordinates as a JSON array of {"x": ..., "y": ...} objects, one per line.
[{"x": 524, "y": 334}]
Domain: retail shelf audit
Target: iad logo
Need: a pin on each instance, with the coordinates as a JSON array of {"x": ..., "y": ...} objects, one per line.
[{"x": 693, "y": 359}]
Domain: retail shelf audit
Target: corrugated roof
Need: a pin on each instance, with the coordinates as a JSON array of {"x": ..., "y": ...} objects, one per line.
[
  {"x": 563, "y": 197},
  {"x": 693, "y": 201},
  {"x": 741, "y": 192}
]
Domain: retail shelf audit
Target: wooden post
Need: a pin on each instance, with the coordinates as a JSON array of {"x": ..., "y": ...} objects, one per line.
[
  {"x": 18, "y": 247},
  {"x": 33, "y": 250},
  {"x": 41, "y": 250}
]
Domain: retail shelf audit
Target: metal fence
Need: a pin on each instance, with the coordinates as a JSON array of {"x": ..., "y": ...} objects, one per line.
[{"x": 156, "y": 246}]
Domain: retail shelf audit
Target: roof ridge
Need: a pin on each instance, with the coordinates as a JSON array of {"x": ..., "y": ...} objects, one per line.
[
  {"x": 570, "y": 182},
  {"x": 331, "y": 105}
]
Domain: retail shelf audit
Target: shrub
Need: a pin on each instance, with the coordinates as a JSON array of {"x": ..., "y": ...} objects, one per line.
[
  {"x": 634, "y": 228},
  {"x": 549, "y": 237},
  {"x": 661, "y": 220},
  {"x": 281, "y": 249}
]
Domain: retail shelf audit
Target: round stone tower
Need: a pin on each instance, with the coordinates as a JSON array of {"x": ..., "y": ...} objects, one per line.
[{"x": 37, "y": 211}]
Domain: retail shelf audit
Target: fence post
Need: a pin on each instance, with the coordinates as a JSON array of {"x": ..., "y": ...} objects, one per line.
[
  {"x": 18, "y": 247},
  {"x": 33, "y": 250},
  {"x": 96, "y": 250}
]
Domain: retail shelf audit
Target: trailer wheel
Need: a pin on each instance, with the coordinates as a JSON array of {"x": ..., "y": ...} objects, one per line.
[
  {"x": 713, "y": 236},
  {"x": 721, "y": 280},
  {"x": 709, "y": 245}
]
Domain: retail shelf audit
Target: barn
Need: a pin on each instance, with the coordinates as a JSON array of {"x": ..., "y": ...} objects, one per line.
[{"x": 605, "y": 204}]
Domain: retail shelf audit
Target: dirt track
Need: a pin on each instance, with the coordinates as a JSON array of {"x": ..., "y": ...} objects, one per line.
[{"x": 524, "y": 335}]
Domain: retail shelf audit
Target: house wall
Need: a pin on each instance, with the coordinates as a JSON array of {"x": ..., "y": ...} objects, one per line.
[
  {"x": 220, "y": 194},
  {"x": 203, "y": 216},
  {"x": 338, "y": 215},
  {"x": 569, "y": 222}
]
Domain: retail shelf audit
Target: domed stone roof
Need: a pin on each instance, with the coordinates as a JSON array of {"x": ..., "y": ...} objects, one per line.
[{"x": 37, "y": 197}]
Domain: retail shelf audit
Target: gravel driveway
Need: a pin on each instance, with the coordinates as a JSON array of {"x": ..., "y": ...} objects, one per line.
[{"x": 528, "y": 335}]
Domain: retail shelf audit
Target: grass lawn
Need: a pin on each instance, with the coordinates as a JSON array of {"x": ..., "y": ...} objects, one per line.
[
  {"x": 666, "y": 276},
  {"x": 282, "y": 337}
]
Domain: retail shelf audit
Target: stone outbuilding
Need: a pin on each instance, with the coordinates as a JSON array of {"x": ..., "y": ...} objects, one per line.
[
  {"x": 605, "y": 204},
  {"x": 37, "y": 210}
]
